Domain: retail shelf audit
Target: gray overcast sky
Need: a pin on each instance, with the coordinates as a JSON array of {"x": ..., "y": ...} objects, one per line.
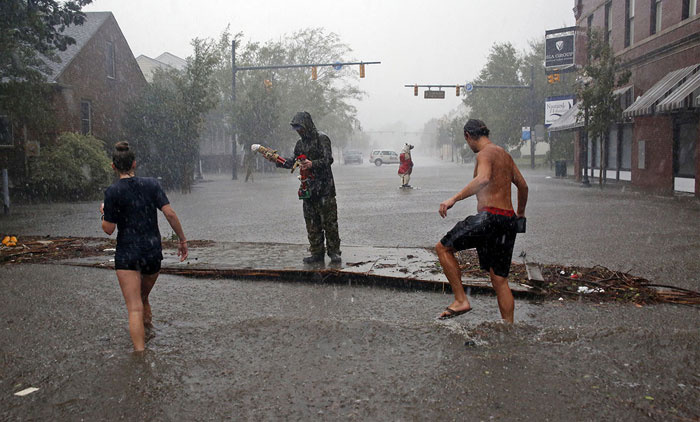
[{"x": 417, "y": 41}]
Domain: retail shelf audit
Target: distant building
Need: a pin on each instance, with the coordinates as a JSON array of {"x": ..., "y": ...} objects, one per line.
[
  {"x": 656, "y": 144},
  {"x": 94, "y": 82},
  {"x": 164, "y": 61}
]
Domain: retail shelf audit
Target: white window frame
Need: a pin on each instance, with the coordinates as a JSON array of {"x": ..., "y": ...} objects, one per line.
[{"x": 89, "y": 117}]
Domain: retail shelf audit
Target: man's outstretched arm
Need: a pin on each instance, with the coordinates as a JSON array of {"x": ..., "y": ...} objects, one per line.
[{"x": 519, "y": 182}]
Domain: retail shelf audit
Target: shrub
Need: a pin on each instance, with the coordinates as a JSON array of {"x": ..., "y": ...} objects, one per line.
[{"x": 75, "y": 168}]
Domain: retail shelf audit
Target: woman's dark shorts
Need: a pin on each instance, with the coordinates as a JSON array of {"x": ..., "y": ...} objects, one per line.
[
  {"x": 492, "y": 235},
  {"x": 147, "y": 262}
]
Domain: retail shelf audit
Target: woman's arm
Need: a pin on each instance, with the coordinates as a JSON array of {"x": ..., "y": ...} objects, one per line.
[
  {"x": 107, "y": 226},
  {"x": 174, "y": 222}
]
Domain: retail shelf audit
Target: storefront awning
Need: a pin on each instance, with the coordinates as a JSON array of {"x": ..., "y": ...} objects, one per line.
[
  {"x": 569, "y": 120},
  {"x": 647, "y": 103},
  {"x": 676, "y": 100}
]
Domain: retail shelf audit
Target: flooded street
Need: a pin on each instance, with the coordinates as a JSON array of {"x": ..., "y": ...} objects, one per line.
[
  {"x": 266, "y": 350},
  {"x": 245, "y": 350}
]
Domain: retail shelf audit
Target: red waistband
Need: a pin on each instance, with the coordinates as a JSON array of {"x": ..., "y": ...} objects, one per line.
[{"x": 498, "y": 211}]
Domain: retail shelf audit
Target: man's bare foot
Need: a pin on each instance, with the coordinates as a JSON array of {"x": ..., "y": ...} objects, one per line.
[{"x": 455, "y": 309}]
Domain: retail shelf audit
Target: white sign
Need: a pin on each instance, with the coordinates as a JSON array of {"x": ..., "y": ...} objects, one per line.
[{"x": 554, "y": 107}]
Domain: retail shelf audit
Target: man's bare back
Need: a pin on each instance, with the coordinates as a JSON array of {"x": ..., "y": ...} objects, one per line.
[{"x": 502, "y": 171}]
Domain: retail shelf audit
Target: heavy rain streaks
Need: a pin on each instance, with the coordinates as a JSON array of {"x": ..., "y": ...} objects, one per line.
[{"x": 243, "y": 329}]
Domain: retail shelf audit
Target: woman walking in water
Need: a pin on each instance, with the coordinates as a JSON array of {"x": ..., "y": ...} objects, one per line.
[{"x": 130, "y": 206}]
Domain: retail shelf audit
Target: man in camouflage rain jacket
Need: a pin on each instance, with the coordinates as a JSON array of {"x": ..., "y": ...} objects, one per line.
[{"x": 320, "y": 209}]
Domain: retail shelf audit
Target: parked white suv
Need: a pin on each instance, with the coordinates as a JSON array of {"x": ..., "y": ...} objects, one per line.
[{"x": 383, "y": 156}]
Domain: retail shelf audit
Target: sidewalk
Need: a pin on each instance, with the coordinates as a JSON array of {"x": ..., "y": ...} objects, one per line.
[{"x": 415, "y": 268}]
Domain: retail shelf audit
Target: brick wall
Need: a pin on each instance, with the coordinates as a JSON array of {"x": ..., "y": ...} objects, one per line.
[
  {"x": 657, "y": 134},
  {"x": 86, "y": 79}
]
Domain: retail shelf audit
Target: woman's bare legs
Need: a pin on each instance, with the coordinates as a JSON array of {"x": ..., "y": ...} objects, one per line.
[
  {"x": 147, "y": 283},
  {"x": 130, "y": 283}
]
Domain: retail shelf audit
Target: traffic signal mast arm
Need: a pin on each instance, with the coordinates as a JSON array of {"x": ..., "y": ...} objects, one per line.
[
  {"x": 292, "y": 66},
  {"x": 464, "y": 86}
]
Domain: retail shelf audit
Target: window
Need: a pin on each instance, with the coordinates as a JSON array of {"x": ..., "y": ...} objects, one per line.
[
  {"x": 655, "y": 20},
  {"x": 5, "y": 131},
  {"x": 612, "y": 148},
  {"x": 626, "y": 158},
  {"x": 85, "y": 117},
  {"x": 608, "y": 23},
  {"x": 684, "y": 149},
  {"x": 629, "y": 22},
  {"x": 111, "y": 70},
  {"x": 690, "y": 8}
]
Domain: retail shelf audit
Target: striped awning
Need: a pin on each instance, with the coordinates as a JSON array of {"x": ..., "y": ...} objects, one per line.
[
  {"x": 677, "y": 99},
  {"x": 647, "y": 103},
  {"x": 569, "y": 120}
]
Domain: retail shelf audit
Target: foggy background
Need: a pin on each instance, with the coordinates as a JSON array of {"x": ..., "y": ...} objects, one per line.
[{"x": 443, "y": 42}]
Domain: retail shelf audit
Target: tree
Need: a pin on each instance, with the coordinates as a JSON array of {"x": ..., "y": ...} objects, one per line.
[
  {"x": 599, "y": 78},
  {"x": 166, "y": 121},
  {"x": 505, "y": 111},
  {"x": 263, "y": 109},
  {"x": 30, "y": 34}
]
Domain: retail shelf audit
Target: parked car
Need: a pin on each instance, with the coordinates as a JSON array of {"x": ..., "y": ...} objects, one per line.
[
  {"x": 383, "y": 156},
  {"x": 352, "y": 157}
]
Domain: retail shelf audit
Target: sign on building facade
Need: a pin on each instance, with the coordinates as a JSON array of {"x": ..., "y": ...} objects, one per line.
[{"x": 559, "y": 49}]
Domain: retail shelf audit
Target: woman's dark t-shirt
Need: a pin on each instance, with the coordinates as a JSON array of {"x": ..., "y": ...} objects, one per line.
[{"x": 132, "y": 203}]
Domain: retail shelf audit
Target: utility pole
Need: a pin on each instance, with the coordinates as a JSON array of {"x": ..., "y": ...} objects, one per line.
[
  {"x": 533, "y": 117},
  {"x": 234, "y": 143},
  {"x": 313, "y": 66}
]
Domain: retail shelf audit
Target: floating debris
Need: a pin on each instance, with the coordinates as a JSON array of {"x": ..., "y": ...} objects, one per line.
[{"x": 26, "y": 391}]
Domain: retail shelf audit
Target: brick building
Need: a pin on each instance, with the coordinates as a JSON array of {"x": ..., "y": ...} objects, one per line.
[
  {"x": 655, "y": 146},
  {"x": 92, "y": 83}
]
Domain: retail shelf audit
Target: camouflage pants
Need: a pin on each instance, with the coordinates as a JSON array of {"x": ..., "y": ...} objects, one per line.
[{"x": 321, "y": 216}]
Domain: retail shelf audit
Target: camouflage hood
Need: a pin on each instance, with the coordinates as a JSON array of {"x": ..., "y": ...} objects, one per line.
[{"x": 303, "y": 119}]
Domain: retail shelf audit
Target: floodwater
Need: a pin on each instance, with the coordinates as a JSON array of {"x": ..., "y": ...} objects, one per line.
[
  {"x": 257, "y": 350},
  {"x": 265, "y": 350}
]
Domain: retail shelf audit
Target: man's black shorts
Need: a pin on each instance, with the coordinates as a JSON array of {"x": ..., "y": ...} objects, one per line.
[
  {"x": 146, "y": 262},
  {"x": 492, "y": 235}
]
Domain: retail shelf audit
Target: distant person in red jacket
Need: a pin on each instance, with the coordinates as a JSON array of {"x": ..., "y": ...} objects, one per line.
[{"x": 406, "y": 166}]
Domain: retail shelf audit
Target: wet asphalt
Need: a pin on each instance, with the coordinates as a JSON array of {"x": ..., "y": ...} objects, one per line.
[{"x": 265, "y": 350}]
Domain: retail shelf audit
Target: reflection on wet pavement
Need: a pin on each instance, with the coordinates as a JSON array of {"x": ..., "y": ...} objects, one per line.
[{"x": 230, "y": 349}]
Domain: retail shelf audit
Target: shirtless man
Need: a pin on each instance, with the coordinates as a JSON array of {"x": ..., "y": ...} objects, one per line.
[{"x": 492, "y": 230}]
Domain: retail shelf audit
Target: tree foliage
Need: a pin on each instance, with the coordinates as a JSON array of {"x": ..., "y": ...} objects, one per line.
[
  {"x": 30, "y": 35},
  {"x": 76, "y": 167},
  {"x": 600, "y": 77},
  {"x": 266, "y": 100},
  {"x": 506, "y": 110},
  {"x": 166, "y": 121}
]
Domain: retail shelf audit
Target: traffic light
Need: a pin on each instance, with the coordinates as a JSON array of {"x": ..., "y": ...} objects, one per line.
[
  {"x": 415, "y": 90},
  {"x": 268, "y": 84},
  {"x": 457, "y": 90},
  {"x": 362, "y": 70},
  {"x": 553, "y": 78},
  {"x": 314, "y": 73}
]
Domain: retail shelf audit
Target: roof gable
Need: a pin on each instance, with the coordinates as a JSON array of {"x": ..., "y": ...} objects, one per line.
[{"x": 81, "y": 34}]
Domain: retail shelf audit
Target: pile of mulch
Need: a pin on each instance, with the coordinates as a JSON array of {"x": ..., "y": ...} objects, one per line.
[
  {"x": 42, "y": 249},
  {"x": 597, "y": 284}
]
